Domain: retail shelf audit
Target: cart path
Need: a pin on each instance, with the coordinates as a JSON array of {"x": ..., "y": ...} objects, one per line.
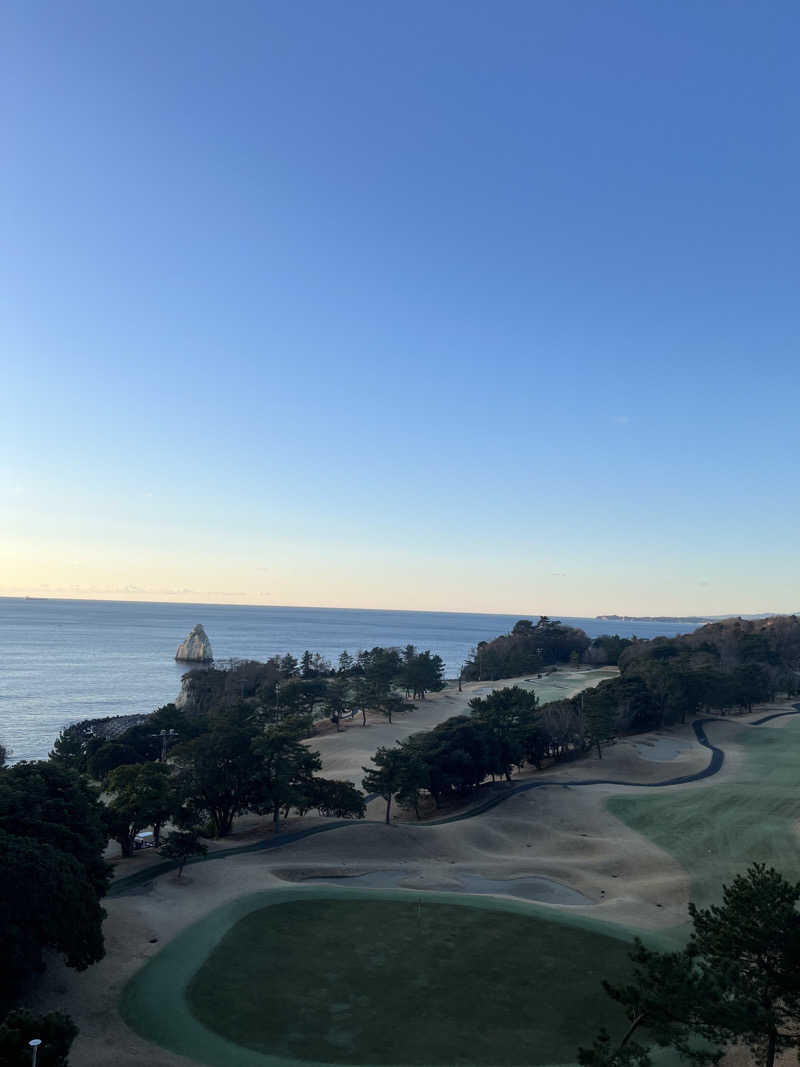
[{"x": 135, "y": 882}]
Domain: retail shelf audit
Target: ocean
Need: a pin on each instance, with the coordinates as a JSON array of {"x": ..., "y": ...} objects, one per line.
[{"x": 66, "y": 660}]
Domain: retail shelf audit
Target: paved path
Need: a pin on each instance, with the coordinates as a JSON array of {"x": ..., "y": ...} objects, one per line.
[{"x": 135, "y": 882}]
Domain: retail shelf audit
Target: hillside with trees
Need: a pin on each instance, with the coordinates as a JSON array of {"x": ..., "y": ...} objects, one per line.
[
  {"x": 529, "y": 648},
  {"x": 722, "y": 667}
]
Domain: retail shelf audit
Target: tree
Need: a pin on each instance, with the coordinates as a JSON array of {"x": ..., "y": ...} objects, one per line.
[
  {"x": 340, "y": 800},
  {"x": 140, "y": 796},
  {"x": 599, "y": 717},
  {"x": 392, "y": 704},
  {"x": 286, "y": 774},
  {"x": 336, "y": 698},
  {"x": 737, "y": 980},
  {"x": 181, "y": 845},
  {"x": 44, "y": 802},
  {"x": 386, "y": 777},
  {"x": 346, "y": 663},
  {"x": 288, "y": 666},
  {"x": 414, "y": 774},
  {"x": 508, "y": 716},
  {"x": 219, "y": 772},
  {"x": 71, "y": 746},
  {"x": 56, "y": 1031},
  {"x": 300, "y": 696},
  {"x": 527, "y": 648},
  {"x": 108, "y": 756},
  {"x": 48, "y": 902},
  {"x": 422, "y": 673}
]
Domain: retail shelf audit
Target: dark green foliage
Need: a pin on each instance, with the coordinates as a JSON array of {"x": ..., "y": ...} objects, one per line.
[
  {"x": 606, "y": 1052},
  {"x": 750, "y": 944},
  {"x": 385, "y": 777},
  {"x": 736, "y": 982},
  {"x": 243, "y": 764},
  {"x": 285, "y": 772},
  {"x": 300, "y": 697},
  {"x": 140, "y": 796},
  {"x": 71, "y": 746},
  {"x": 47, "y": 902},
  {"x": 43, "y": 802},
  {"x": 56, "y": 1031},
  {"x": 527, "y": 648},
  {"x": 606, "y": 649},
  {"x": 288, "y": 666},
  {"x": 720, "y": 667},
  {"x": 52, "y": 872},
  {"x": 509, "y": 721},
  {"x": 599, "y": 708},
  {"x": 107, "y": 757},
  {"x": 346, "y": 663},
  {"x": 502, "y": 731},
  {"x": 335, "y": 798},
  {"x": 421, "y": 673},
  {"x": 181, "y": 845},
  {"x": 206, "y": 689},
  {"x": 219, "y": 774},
  {"x": 336, "y": 700}
]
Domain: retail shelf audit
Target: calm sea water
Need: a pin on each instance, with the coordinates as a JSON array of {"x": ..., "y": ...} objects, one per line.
[{"x": 66, "y": 660}]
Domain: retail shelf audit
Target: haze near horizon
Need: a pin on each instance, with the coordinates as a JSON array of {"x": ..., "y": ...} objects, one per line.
[{"x": 436, "y": 307}]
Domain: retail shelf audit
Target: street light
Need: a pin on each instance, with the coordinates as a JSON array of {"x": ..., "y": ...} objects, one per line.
[{"x": 34, "y": 1044}]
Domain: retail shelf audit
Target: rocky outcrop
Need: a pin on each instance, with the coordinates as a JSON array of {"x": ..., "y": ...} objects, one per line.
[{"x": 196, "y": 648}]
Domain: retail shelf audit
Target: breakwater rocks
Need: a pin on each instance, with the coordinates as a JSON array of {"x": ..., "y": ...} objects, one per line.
[{"x": 196, "y": 648}]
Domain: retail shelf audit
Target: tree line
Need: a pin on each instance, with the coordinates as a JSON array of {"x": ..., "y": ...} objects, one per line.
[
  {"x": 237, "y": 746},
  {"x": 720, "y": 668},
  {"x": 376, "y": 679},
  {"x": 52, "y": 879},
  {"x": 503, "y": 731}
]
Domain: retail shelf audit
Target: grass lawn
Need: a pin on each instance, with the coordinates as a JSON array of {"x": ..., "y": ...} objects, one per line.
[
  {"x": 717, "y": 830},
  {"x": 399, "y": 982}
]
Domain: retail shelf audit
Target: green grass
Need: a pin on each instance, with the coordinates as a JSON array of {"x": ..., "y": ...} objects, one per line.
[
  {"x": 717, "y": 830},
  {"x": 342, "y": 976},
  {"x": 387, "y": 982}
]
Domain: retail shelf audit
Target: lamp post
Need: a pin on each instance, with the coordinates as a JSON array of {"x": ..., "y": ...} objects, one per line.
[{"x": 34, "y": 1044}]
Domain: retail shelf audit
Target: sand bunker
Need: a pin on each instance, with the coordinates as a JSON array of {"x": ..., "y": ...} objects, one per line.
[
  {"x": 545, "y": 890},
  {"x": 659, "y": 749}
]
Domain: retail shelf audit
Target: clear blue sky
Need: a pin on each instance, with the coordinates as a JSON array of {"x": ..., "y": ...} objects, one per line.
[{"x": 427, "y": 305}]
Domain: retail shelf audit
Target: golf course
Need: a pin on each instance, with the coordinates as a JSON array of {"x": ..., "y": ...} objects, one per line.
[{"x": 339, "y": 975}]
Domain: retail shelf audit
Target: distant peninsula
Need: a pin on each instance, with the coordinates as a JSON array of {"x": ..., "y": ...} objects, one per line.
[
  {"x": 654, "y": 618},
  {"x": 698, "y": 619}
]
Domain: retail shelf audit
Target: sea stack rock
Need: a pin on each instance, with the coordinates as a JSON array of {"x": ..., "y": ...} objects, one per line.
[{"x": 196, "y": 648}]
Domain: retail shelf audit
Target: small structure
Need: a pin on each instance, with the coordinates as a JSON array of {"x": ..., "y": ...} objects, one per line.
[{"x": 196, "y": 648}]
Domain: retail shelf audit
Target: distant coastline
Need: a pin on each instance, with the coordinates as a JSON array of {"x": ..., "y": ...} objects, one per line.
[{"x": 699, "y": 620}]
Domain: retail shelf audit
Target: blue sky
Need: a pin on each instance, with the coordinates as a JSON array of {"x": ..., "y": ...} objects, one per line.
[{"x": 432, "y": 305}]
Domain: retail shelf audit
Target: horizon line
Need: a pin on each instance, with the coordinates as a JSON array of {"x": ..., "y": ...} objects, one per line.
[{"x": 622, "y": 617}]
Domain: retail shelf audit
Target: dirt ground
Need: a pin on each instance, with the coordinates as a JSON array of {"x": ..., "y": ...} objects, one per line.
[{"x": 561, "y": 832}]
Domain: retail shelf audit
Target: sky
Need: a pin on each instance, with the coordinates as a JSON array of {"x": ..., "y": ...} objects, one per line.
[{"x": 432, "y": 305}]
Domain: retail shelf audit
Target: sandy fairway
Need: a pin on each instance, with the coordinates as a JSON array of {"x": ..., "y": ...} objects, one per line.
[
  {"x": 561, "y": 832},
  {"x": 345, "y": 753}
]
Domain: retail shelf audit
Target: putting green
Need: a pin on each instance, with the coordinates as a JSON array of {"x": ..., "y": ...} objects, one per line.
[
  {"x": 716, "y": 830},
  {"x": 329, "y": 975}
]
